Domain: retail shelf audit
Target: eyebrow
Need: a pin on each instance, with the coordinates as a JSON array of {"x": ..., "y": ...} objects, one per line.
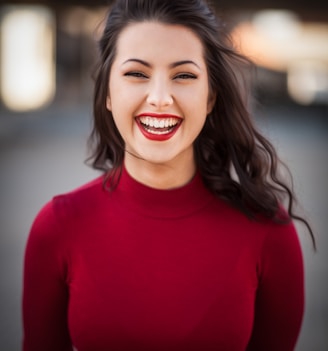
[{"x": 172, "y": 65}]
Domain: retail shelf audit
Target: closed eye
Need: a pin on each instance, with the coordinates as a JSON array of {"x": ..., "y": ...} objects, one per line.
[
  {"x": 185, "y": 76},
  {"x": 135, "y": 74}
]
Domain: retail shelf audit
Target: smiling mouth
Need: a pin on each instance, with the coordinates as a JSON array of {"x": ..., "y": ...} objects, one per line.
[{"x": 159, "y": 126}]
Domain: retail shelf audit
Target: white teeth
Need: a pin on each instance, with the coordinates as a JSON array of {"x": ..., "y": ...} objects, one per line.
[
  {"x": 158, "y": 132},
  {"x": 159, "y": 122}
]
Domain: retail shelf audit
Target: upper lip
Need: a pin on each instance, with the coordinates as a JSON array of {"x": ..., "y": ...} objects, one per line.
[{"x": 158, "y": 115}]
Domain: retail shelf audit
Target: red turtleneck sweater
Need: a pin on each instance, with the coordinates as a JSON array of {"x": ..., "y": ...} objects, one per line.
[{"x": 153, "y": 270}]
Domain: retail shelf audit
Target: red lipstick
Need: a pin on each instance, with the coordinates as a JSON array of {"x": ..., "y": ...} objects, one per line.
[{"x": 158, "y": 127}]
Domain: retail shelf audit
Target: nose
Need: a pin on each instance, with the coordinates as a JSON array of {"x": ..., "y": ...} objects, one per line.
[{"x": 160, "y": 95}]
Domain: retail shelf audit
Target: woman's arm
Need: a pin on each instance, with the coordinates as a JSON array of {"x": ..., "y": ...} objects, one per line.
[
  {"x": 279, "y": 302},
  {"x": 45, "y": 294}
]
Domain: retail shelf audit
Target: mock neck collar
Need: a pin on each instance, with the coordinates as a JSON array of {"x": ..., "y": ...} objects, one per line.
[{"x": 159, "y": 203}]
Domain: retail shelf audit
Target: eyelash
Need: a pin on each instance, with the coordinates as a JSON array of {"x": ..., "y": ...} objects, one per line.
[
  {"x": 135, "y": 74},
  {"x": 183, "y": 76}
]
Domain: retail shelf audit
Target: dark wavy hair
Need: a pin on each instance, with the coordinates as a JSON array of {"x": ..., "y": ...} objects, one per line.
[{"x": 236, "y": 162}]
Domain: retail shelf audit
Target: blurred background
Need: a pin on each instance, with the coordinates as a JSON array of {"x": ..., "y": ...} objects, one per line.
[{"x": 47, "y": 54}]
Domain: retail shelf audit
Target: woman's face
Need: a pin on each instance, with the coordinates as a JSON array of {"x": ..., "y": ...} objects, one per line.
[{"x": 159, "y": 93}]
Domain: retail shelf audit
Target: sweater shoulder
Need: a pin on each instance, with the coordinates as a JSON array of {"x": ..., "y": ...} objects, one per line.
[
  {"x": 81, "y": 200},
  {"x": 281, "y": 251},
  {"x": 271, "y": 238},
  {"x": 69, "y": 206}
]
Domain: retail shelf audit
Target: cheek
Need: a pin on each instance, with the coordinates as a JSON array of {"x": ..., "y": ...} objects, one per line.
[
  {"x": 125, "y": 98},
  {"x": 202, "y": 104},
  {"x": 123, "y": 118},
  {"x": 122, "y": 128},
  {"x": 193, "y": 97}
]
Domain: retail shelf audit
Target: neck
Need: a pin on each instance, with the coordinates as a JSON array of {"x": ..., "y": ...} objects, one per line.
[{"x": 160, "y": 176}]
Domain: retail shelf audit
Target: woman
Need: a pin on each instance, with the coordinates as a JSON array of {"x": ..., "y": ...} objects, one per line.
[{"x": 182, "y": 244}]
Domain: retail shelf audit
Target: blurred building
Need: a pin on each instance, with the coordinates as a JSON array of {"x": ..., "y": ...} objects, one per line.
[{"x": 48, "y": 49}]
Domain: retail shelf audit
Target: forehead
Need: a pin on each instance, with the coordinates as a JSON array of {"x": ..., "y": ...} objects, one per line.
[{"x": 159, "y": 41}]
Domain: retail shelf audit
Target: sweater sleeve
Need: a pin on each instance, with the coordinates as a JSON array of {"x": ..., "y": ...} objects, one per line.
[
  {"x": 279, "y": 302},
  {"x": 45, "y": 293}
]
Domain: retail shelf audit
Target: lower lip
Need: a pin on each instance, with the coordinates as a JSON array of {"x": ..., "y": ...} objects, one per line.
[{"x": 157, "y": 137}]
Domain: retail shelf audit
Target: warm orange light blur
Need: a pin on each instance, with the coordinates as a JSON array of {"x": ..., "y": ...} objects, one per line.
[
  {"x": 306, "y": 41},
  {"x": 279, "y": 41}
]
